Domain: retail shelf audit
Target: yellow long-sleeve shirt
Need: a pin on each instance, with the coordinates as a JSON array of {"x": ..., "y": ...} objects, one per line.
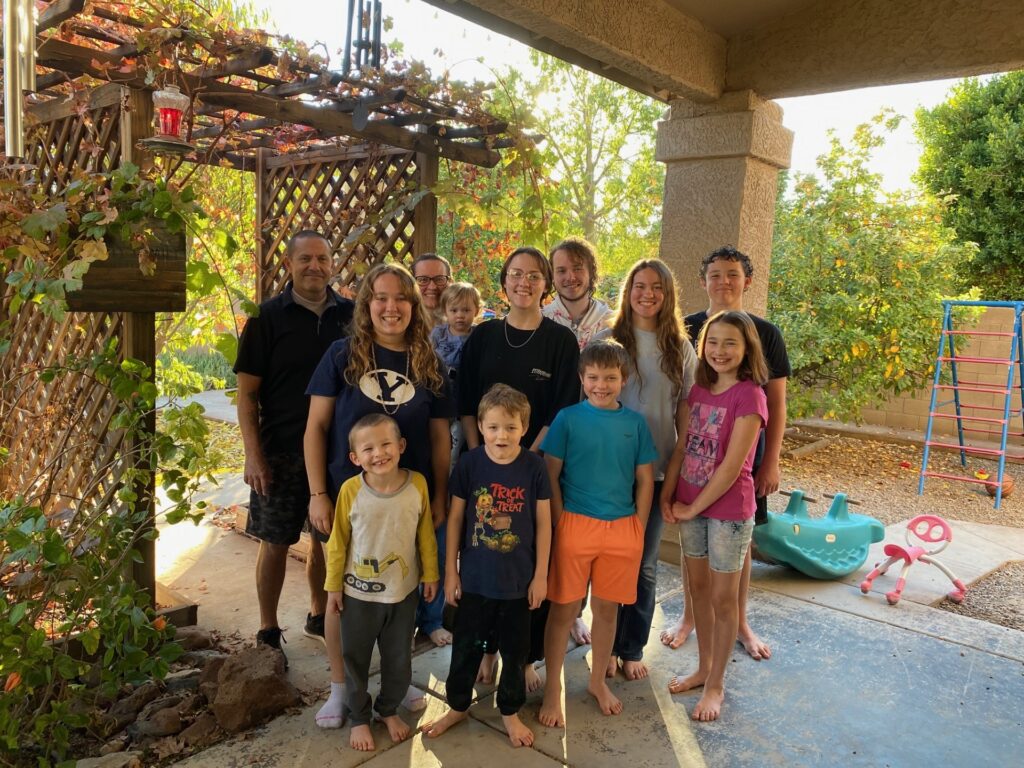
[{"x": 381, "y": 545}]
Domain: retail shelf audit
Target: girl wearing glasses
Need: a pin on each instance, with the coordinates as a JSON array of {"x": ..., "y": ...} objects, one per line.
[{"x": 530, "y": 353}]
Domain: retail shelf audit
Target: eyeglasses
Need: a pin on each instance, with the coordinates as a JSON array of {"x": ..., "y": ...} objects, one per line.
[
  {"x": 439, "y": 280},
  {"x": 518, "y": 274}
]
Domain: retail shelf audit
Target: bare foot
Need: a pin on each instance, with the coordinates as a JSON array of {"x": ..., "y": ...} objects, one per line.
[
  {"x": 753, "y": 645},
  {"x": 606, "y": 700},
  {"x": 518, "y": 733},
  {"x": 361, "y": 738},
  {"x": 679, "y": 684},
  {"x": 634, "y": 670},
  {"x": 398, "y": 729},
  {"x": 613, "y": 667},
  {"x": 676, "y": 636},
  {"x": 551, "y": 709},
  {"x": 580, "y": 632},
  {"x": 533, "y": 681},
  {"x": 436, "y": 728},
  {"x": 710, "y": 705},
  {"x": 488, "y": 664},
  {"x": 415, "y": 699},
  {"x": 441, "y": 636}
]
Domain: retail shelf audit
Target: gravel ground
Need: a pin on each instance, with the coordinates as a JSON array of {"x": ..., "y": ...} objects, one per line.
[
  {"x": 883, "y": 477},
  {"x": 998, "y": 598}
]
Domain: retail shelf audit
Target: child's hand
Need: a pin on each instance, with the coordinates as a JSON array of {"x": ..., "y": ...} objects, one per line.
[
  {"x": 452, "y": 589},
  {"x": 666, "y": 510},
  {"x": 321, "y": 513},
  {"x": 334, "y": 602},
  {"x": 429, "y": 591},
  {"x": 537, "y": 592},
  {"x": 681, "y": 512}
]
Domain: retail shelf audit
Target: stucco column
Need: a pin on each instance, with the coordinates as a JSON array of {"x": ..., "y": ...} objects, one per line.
[{"x": 721, "y": 178}]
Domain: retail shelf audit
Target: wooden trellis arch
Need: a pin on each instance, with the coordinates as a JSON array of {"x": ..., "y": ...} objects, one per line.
[{"x": 364, "y": 156}]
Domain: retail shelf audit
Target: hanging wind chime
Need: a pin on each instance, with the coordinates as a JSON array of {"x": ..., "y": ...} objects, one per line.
[{"x": 19, "y": 71}]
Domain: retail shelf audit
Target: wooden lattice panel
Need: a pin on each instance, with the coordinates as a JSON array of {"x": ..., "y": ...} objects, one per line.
[
  {"x": 335, "y": 195},
  {"x": 57, "y": 432}
]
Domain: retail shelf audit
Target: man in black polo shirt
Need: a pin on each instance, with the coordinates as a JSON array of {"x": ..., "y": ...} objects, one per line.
[{"x": 277, "y": 354}]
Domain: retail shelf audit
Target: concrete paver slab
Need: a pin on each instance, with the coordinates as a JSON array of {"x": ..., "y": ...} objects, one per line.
[{"x": 844, "y": 690}]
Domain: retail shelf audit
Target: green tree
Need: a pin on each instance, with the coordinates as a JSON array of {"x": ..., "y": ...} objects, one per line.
[
  {"x": 857, "y": 277},
  {"x": 592, "y": 174},
  {"x": 974, "y": 155}
]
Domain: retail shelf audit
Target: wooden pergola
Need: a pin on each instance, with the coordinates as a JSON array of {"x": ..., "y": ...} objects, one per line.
[{"x": 350, "y": 155}]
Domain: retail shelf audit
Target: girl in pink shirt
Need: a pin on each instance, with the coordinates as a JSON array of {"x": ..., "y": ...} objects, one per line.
[{"x": 715, "y": 500}]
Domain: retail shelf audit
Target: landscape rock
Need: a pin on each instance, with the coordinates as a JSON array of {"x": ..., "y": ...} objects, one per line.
[
  {"x": 202, "y": 732},
  {"x": 162, "y": 722},
  {"x": 182, "y": 680},
  {"x": 193, "y": 638},
  {"x": 210, "y": 675},
  {"x": 252, "y": 688},
  {"x": 202, "y": 657},
  {"x": 116, "y": 760},
  {"x": 127, "y": 709},
  {"x": 117, "y": 744}
]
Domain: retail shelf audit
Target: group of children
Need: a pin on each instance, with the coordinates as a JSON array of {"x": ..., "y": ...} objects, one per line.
[{"x": 523, "y": 529}]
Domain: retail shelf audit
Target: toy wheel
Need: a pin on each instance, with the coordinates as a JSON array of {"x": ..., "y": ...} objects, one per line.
[
  {"x": 865, "y": 586},
  {"x": 956, "y": 596},
  {"x": 892, "y": 597}
]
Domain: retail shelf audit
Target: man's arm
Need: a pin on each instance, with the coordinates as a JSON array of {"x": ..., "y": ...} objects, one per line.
[
  {"x": 767, "y": 479},
  {"x": 256, "y": 473},
  {"x": 554, "y": 466},
  {"x": 470, "y": 431}
]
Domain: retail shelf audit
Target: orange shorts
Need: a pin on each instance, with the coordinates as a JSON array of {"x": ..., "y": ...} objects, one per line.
[{"x": 605, "y": 553}]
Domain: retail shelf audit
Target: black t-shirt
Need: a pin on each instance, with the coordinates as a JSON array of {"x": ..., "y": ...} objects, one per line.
[
  {"x": 771, "y": 342},
  {"x": 542, "y": 366},
  {"x": 497, "y": 555},
  {"x": 282, "y": 345}
]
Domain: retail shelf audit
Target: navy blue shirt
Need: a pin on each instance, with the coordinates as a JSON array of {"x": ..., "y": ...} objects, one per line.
[
  {"x": 282, "y": 345},
  {"x": 387, "y": 389},
  {"x": 498, "y": 553}
]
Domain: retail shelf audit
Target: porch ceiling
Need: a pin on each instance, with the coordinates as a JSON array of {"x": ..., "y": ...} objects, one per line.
[{"x": 698, "y": 49}]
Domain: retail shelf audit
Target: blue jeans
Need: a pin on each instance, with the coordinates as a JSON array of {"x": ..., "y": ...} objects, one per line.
[
  {"x": 633, "y": 627},
  {"x": 429, "y": 616}
]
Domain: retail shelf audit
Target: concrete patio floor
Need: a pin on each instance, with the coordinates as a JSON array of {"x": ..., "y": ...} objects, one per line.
[{"x": 852, "y": 681}]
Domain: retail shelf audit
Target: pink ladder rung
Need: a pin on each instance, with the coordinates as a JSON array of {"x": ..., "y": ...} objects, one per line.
[
  {"x": 967, "y": 418},
  {"x": 976, "y": 388},
  {"x": 986, "y": 360},
  {"x": 965, "y": 448},
  {"x": 961, "y": 478}
]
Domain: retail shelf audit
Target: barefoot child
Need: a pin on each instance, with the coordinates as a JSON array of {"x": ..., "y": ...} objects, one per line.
[
  {"x": 381, "y": 547},
  {"x": 499, "y": 533},
  {"x": 714, "y": 499},
  {"x": 595, "y": 451}
]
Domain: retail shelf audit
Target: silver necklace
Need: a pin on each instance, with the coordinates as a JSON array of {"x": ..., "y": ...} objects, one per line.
[
  {"x": 373, "y": 362},
  {"x": 504, "y": 325},
  {"x": 575, "y": 324}
]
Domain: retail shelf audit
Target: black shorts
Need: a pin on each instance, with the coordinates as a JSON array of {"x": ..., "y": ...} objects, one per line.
[
  {"x": 279, "y": 517},
  {"x": 761, "y": 511}
]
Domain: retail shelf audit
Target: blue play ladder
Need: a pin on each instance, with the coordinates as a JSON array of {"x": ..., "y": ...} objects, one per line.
[{"x": 1014, "y": 364}]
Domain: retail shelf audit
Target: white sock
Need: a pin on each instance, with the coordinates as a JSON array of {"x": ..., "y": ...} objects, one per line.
[
  {"x": 415, "y": 699},
  {"x": 332, "y": 713}
]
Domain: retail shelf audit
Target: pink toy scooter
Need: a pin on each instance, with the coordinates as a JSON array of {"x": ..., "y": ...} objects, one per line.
[{"x": 926, "y": 529}]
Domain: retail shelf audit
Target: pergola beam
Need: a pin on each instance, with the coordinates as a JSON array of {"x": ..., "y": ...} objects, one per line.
[
  {"x": 58, "y": 12},
  {"x": 333, "y": 122}
]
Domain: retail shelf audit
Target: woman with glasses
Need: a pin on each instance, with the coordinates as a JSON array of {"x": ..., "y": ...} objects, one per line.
[
  {"x": 534, "y": 355},
  {"x": 432, "y": 273}
]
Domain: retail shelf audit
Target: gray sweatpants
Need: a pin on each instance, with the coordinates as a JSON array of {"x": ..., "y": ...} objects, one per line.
[{"x": 390, "y": 626}]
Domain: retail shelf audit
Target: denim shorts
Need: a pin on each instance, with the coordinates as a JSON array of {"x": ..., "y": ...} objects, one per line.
[{"x": 723, "y": 542}]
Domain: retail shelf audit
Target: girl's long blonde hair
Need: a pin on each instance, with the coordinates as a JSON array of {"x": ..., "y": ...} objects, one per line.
[
  {"x": 424, "y": 369},
  {"x": 671, "y": 333}
]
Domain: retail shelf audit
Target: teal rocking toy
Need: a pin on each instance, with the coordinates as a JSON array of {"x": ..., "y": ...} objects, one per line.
[{"x": 823, "y": 548}]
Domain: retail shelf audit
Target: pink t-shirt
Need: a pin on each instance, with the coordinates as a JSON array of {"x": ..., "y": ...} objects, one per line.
[{"x": 711, "y": 421}]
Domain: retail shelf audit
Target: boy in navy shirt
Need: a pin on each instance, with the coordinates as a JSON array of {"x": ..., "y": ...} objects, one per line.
[
  {"x": 499, "y": 537},
  {"x": 596, "y": 452}
]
